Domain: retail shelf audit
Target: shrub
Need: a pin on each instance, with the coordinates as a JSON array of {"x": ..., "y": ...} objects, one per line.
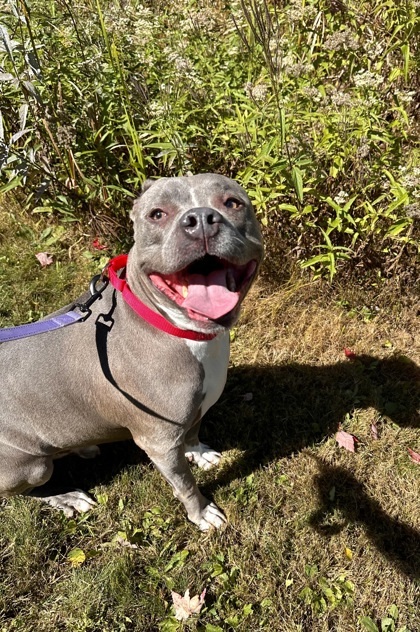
[{"x": 311, "y": 105}]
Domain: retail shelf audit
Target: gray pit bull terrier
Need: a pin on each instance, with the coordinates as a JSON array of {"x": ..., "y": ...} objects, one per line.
[{"x": 116, "y": 376}]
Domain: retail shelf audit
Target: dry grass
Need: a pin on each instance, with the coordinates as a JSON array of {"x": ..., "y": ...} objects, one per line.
[{"x": 318, "y": 537}]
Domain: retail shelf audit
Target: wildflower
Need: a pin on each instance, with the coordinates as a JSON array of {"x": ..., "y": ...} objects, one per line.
[
  {"x": 156, "y": 109},
  {"x": 342, "y": 39},
  {"x": 411, "y": 179},
  {"x": 298, "y": 69},
  {"x": 363, "y": 150},
  {"x": 256, "y": 92},
  {"x": 413, "y": 210},
  {"x": 367, "y": 79},
  {"x": 340, "y": 98},
  {"x": 341, "y": 197},
  {"x": 313, "y": 93},
  {"x": 299, "y": 13},
  {"x": 405, "y": 96},
  {"x": 204, "y": 19}
]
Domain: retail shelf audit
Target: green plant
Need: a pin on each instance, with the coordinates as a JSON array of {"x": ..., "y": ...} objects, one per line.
[
  {"x": 387, "y": 623},
  {"x": 311, "y": 106},
  {"x": 323, "y": 594}
]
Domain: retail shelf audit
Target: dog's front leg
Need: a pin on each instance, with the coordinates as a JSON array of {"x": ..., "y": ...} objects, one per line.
[
  {"x": 174, "y": 467},
  {"x": 200, "y": 453}
]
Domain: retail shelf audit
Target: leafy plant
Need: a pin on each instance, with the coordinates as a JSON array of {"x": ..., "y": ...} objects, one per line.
[
  {"x": 387, "y": 623},
  {"x": 310, "y": 105}
]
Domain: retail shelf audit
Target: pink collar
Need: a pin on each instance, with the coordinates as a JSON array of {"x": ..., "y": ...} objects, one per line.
[{"x": 159, "y": 322}]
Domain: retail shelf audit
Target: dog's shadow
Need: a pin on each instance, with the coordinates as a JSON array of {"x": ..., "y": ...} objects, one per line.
[
  {"x": 270, "y": 412},
  {"x": 274, "y": 411}
]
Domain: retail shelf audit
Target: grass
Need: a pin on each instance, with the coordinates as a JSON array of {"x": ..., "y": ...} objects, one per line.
[{"x": 319, "y": 539}]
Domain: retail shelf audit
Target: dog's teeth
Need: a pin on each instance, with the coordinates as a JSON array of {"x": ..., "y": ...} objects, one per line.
[
  {"x": 230, "y": 281},
  {"x": 185, "y": 291}
]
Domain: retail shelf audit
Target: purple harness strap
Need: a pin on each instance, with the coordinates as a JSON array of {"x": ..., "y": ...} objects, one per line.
[{"x": 40, "y": 327}]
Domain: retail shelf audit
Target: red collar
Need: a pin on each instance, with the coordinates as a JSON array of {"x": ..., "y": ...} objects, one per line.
[{"x": 159, "y": 322}]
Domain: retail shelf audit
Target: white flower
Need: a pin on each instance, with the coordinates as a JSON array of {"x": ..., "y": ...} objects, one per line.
[
  {"x": 367, "y": 79},
  {"x": 341, "y": 197}
]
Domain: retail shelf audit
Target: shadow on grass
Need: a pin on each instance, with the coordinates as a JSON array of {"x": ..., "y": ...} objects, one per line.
[
  {"x": 294, "y": 406},
  {"x": 397, "y": 541}
]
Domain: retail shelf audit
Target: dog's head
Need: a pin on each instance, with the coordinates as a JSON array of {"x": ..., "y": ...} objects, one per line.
[{"x": 197, "y": 249}]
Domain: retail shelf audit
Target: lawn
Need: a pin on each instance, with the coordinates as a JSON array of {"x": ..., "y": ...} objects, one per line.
[{"x": 319, "y": 538}]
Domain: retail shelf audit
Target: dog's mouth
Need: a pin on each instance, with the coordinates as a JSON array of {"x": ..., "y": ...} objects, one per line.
[{"x": 209, "y": 288}]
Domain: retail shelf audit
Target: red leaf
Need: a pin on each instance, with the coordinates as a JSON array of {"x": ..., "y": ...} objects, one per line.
[
  {"x": 349, "y": 354},
  {"x": 97, "y": 245},
  {"x": 414, "y": 456},
  {"x": 346, "y": 440},
  {"x": 44, "y": 259}
]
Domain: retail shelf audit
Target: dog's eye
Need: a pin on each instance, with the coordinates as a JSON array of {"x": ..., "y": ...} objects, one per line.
[
  {"x": 157, "y": 214},
  {"x": 233, "y": 203}
]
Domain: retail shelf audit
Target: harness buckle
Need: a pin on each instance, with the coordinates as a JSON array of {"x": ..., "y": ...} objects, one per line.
[{"x": 95, "y": 294}]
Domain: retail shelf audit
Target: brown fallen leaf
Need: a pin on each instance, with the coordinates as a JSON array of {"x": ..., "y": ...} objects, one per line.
[
  {"x": 414, "y": 456},
  {"x": 44, "y": 259},
  {"x": 346, "y": 440},
  {"x": 184, "y": 606}
]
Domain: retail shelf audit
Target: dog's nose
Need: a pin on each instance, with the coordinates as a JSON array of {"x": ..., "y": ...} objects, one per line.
[{"x": 201, "y": 222}]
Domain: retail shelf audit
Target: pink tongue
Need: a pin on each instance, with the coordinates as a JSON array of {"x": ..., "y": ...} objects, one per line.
[{"x": 209, "y": 296}]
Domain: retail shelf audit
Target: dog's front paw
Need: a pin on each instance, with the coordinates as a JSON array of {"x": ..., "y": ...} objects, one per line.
[
  {"x": 211, "y": 516},
  {"x": 202, "y": 455},
  {"x": 70, "y": 502}
]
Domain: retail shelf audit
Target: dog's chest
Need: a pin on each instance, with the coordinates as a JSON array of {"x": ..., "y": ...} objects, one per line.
[{"x": 214, "y": 358}]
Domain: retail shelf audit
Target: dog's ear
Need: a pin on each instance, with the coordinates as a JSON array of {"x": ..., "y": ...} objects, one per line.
[{"x": 146, "y": 185}]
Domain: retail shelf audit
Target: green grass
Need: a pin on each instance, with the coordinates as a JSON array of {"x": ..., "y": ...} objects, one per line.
[
  {"x": 38, "y": 291},
  {"x": 318, "y": 539}
]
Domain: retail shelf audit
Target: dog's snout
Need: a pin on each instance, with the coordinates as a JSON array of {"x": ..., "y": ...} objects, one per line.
[{"x": 201, "y": 222}]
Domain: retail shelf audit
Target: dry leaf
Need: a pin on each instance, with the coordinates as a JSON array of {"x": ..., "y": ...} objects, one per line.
[
  {"x": 44, "y": 259},
  {"x": 373, "y": 431},
  {"x": 98, "y": 245},
  {"x": 123, "y": 542},
  {"x": 349, "y": 354},
  {"x": 184, "y": 606},
  {"x": 346, "y": 440},
  {"x": 76, "y": 557},
  {"x": 414, "y": 456}
]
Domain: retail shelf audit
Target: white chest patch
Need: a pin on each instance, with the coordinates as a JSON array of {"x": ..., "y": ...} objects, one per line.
[{"x": 214, "y": 358}]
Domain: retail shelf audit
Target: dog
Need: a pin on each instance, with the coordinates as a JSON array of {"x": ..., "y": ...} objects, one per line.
[{"x": 116, "y": 376}]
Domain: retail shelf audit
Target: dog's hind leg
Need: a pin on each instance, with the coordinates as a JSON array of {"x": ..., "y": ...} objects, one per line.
[
  {"x": 69, "y": 502},
  {"x": 22, "y": 473}
]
